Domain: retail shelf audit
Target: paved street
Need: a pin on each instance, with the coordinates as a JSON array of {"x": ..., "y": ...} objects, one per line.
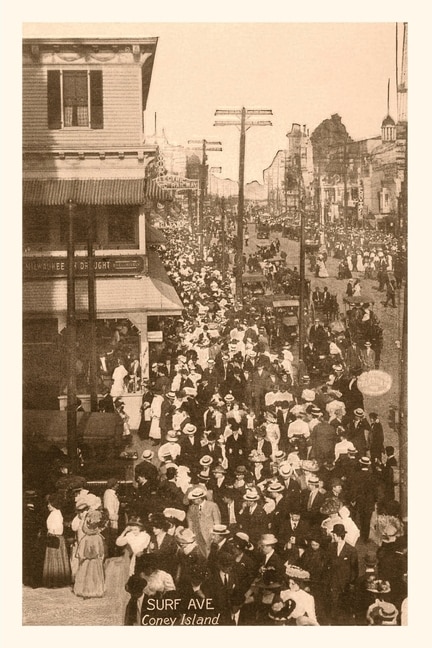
[{"x": 390, "y": 319}]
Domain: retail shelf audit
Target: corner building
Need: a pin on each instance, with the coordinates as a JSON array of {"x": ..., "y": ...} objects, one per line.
[{"x": 84, "y": 103}]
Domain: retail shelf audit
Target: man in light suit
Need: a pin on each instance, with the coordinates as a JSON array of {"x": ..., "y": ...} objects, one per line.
[
  {"x": 201, "y": 517},
  {"x": 367, "y": 357}
]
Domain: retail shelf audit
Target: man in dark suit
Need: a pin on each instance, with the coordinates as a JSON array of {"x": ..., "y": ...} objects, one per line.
[
  {"x": 163, "y": 546},
  {"x": 260, "y": 443},
  {"x": 294, "y": 530},
  {"x": 323, "y": 439},
  {"x": 259, "y": 381},
  {"x": 283, "y": 420},
  {"x": 342, "y": 575},
  {"x": 229, "y": 501},
  {"x": 376, "y": 438},
  {"x": 235, "y": 447},
  {"x": 253, "y": 519},
  {"x": 190, "y": 446},
  {"x": 221, "y": 586},
  {"x": 311, "y": 501},
  {"x": 270, "y": 561}
]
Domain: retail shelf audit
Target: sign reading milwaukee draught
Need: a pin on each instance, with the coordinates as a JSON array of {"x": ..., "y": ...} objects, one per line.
[{"x": 46, "y": 267}]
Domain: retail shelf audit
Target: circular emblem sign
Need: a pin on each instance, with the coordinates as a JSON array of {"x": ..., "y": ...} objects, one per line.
[{"x": 374, "y": 383}]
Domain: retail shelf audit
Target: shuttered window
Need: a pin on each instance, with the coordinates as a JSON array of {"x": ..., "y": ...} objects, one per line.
[{"x": 75, "y": 99}]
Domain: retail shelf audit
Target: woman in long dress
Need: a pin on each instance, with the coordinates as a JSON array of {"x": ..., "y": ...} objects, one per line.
[
  {"x": 90, "y": 577},
  {"x": 322, "y": 270},
  {"x": 118, "y": 377},
  {"x": 56, "y": 569},
  {"x": 360, "y": 266}
]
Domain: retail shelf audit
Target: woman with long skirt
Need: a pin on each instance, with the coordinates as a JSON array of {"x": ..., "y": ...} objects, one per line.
[
  {"x": 56, "y": 569},
  {"x": 90, "y": 577}
]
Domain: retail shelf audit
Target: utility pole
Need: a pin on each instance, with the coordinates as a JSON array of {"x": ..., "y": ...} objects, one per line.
[
  {"x": 302, "y": 267},
  {"x": 71, "y": 414},
  {"x": 91, "y": 287},
  {"x": 205, "y": 145},
  {"x": 223, "y": 224},
  {"x": 244, "y": 121}
]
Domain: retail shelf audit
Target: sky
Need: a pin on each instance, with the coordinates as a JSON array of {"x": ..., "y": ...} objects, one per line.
[{"x": 303, "y": 72}]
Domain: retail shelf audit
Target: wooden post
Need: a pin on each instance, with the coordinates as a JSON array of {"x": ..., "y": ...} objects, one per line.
[
  {"x": 91, "y": 287},
  {"x": 240, "y": 210},
  {"x": 72, "y": 446}
]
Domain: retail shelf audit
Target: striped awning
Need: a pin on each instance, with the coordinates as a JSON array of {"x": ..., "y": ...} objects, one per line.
[{"x": 91, "y": 191}]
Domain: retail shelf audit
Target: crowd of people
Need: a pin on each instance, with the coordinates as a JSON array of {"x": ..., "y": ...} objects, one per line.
[{"x": 262, "y": 488}]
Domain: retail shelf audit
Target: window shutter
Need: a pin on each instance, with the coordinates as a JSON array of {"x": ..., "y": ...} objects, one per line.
[
  {"x": 54, "y": 99},
  {"x": 96, "y": 99}
]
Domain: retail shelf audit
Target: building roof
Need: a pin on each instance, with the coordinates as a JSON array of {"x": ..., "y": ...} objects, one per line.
[
  {"x": 388, "y": 121},
  {"x": 90, "y": 191}
]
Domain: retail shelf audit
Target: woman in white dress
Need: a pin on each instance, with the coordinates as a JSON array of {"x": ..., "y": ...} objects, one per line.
[
  {"x": 360, "y": 266},
  {"x": 136, "y": 541},
  {"x": 304, "y": 611},
  {"x": 118, "y": 377},
  {"x": 155, "y": 414},
  {"x": 322, "y": 270}
]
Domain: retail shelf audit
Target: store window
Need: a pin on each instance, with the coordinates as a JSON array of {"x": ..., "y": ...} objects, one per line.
[
  {"x": 75, "y": 99},
  {"x": 36, "y": 227},
  {"x": 122, "y": 226},
  {"x": 81, "y": 226}
]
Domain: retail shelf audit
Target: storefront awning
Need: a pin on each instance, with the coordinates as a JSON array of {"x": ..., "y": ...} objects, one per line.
[
  {"x": 154, "y": 236},
  {"x": 152, "y": 294},
  {"x": 91, "y": 191}
]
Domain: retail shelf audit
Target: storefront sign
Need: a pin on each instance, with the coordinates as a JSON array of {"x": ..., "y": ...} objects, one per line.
[
  {"x": 54, "y": 266},
  {"x": 155, "y": 336},
  {"x": 360, "y": 200},
  {"x": 174, "y": 182}
]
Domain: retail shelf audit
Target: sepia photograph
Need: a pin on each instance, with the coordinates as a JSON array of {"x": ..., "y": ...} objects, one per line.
[{"x": 214, "y": 324}]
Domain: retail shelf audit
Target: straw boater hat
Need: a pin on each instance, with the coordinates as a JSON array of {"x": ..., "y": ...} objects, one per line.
[
  {"x": 275, "y": 487},
  {"x": 147, "y": 454},
  {"x": 268, "y": 539},
  {"x": 251, "y": 495},
  {"x": 197, "y": 493},
  {"x": 206, "y": 461},
  {"x": 221, "y": 529},
  {"x": 241, "y": 541},
  {"x": 189, "y": 429},
  {"x": 285, "y": 470},
  {"x": 171, "y": 435},
  {"x": 385, "y": 613}
]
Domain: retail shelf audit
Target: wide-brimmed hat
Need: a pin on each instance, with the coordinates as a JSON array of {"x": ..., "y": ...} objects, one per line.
[
  {"x": 174, "y": 515},
  {"x": 385, "y": 612},
  {"x": 94, "y": 522},
  {"x": 136, "y": 521},
  {"x": 257, "y": 457},
  {"x": 147, "y": 454},
  {"x": 293, "y": 571},
  {"x": 197, "y": 493},
  {"x": 189, "y": 429},
  {"x": 313, "y": 479},
  {"x": 229, "y": 398},
  {"x": 308, "y": 395},
  {"x": 330, "y": 506},
  {"x": 378, "y": 586},
  {"x": 280, "y": 612},
  {"x": 310, "y": 465}
]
